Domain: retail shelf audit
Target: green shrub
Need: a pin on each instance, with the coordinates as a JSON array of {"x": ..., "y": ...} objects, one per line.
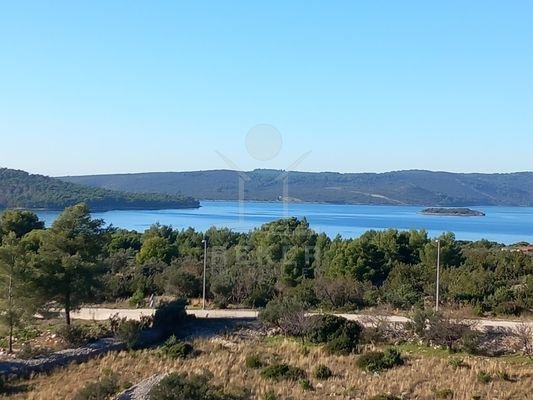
[
  {"x": 322, "y": 372},
  {"x": 270, "y": 395},
  {"x": 471, "y": 341},
  {"x": 392, "y": 358},
  {"x": 376, "y": 361},
  {"x": 286, "y": 372},
  {"x": 26, "y": 334},
  {"x": 306, "y": 385},
  {"x": 104, "y": 389},
  {"x": 457, "y": 362},
  {"x": 179, "y": 386},
  {"x": 76, "y": 335},
  {"x": 137, "y": 299},
  {"x": 170, "y": 317},
  {"x": 340, "y": 335},
  {"x": 324, "y": 328},
  {"x": 484, "y": 377},
  {"x": 444, "y": 394},
  {"x": 175, "y": 349},
  {"x": 286, "y": 314},
  {"x": 509, "y": 308},
  {"x": 384, "y": 397},
  {"x": 129, "y": 331},
  {"x": 253, "y": 361},
  {"x": 341, "y": 345}
]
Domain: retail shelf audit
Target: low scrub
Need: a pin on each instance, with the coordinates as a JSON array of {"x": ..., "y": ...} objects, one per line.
[
  {"x": 279, "y": 372},
  {"x": 175, "y": 349},
  {"x": 129, "y": 331},
  {"x": 457, "y": 363},
  {"x": 253, "y": 361},
  {"x": 444, "y": 394},
  {"x": 80, "y": 335},
  {"x": 340, "y": 335},
  {"x": 103, "y": 389},
  {"x": 384, "y": 397},
  {"x": 484, "y": 377},
  {"x": 377, "y": 361},
  {"x": 322, "y": 372},
  {"x": 181, "y": 386}
]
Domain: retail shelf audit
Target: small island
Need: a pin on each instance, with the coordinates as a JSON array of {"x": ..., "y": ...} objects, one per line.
[{"x": 453, "y": 212}]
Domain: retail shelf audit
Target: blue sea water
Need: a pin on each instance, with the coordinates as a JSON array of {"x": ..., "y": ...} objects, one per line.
[{"x": 502, "y": 224}]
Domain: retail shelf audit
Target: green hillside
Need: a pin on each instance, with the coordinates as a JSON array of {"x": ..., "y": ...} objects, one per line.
[
  {"x": 20, "y": 189},
  {"x": 420, "y": 188}
]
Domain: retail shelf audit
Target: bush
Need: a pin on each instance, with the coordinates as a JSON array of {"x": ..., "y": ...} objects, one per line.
[
  {"x": 483, "y": 377},
  {"x": 322, "y": 372},
  {"x": 129, "y": 331},
  {"x": 170, "y": 317},
  {"x": 179, "y": 386},
  {"x": 340, "y": 335},
  {"x": 457, "y": 363},
  {"x": 137, "y": 300},
  {"x": 444, "y": 394},
  {"x": 253, "y": 361},
  {"x": 471, "y": 342},
  {"x": 175, "y": 349},
  {"x": 287, "y": 315},
  {"x": 384, "y": 397},
  {"x": 104, "y": 389},
  {"x": 286, "y": 372},
  {"x": 376, "y": 361},
  {"x": 509, "y": 308},
  {"x": 392, "y": 358},
  {"x": 441, "y": 330},
  {"x": 306, "y": 385},
  {"x": 341, "y": 345},
  {"x": 326, "y": 327},
  {"x": 271, "y": 395},
  {"x": 76, "y": 335}
]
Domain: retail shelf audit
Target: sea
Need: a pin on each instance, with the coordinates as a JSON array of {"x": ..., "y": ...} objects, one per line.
[{"x": 505, "y": 225}]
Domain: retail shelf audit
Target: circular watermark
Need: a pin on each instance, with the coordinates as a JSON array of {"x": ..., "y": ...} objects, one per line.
[{"x": 263, "y": 142}]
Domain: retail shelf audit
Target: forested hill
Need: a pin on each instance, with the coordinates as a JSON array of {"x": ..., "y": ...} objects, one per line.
[
  {"x": 415, "y": 187},
  {"x": 20, "y": 189}
]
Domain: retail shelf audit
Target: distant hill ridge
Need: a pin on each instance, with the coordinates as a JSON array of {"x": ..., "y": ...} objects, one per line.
[
  {"x": 19, "y": 189},
  {"x": 412, "y": 187}
]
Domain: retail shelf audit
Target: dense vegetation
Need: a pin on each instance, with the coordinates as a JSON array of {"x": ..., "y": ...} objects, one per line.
[
  {"x": 284, "y": 264},
  {"x": 18, "y": 189},
  {"x": 422, "y": 188}
]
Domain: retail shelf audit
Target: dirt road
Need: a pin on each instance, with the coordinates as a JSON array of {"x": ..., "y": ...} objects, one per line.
[{"x": 99, "y": 314}]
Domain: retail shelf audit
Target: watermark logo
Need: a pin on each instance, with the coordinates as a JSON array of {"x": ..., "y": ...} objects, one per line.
[{"x": 263, "y": 142}]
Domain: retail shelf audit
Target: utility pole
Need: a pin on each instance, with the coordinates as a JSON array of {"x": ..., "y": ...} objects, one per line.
[
  {"x": 204, "y": 241},
  {"x": 438, "y": 277}
]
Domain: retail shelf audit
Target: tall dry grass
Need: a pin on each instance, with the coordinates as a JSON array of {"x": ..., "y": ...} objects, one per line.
[{"x": 421, "y": 378}]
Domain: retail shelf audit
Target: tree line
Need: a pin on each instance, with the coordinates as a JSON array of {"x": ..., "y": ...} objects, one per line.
[
  {"x": 20, "y": 189},
  {"x": 80, "y": 260}
]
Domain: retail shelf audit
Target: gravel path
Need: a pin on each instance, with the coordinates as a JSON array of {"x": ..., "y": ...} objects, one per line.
[
  {"x": 24, "y": 368},
  {"x": 105, "y": 313}
]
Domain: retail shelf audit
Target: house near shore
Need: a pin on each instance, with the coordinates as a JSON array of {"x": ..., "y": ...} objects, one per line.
[{"x": 520, "y": 249}]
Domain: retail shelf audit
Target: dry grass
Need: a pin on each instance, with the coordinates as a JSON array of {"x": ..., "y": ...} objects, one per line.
[{"x": 420, "y": 378}]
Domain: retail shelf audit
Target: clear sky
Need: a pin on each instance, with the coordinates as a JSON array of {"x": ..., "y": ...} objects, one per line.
[{"x": 129, "y": 86}]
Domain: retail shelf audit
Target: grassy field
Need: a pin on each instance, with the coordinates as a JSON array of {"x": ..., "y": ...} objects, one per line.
[{"x": 426, "y": 374}]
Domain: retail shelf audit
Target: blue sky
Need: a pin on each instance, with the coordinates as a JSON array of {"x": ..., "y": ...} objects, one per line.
[{"x": 130, "y": 86}]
